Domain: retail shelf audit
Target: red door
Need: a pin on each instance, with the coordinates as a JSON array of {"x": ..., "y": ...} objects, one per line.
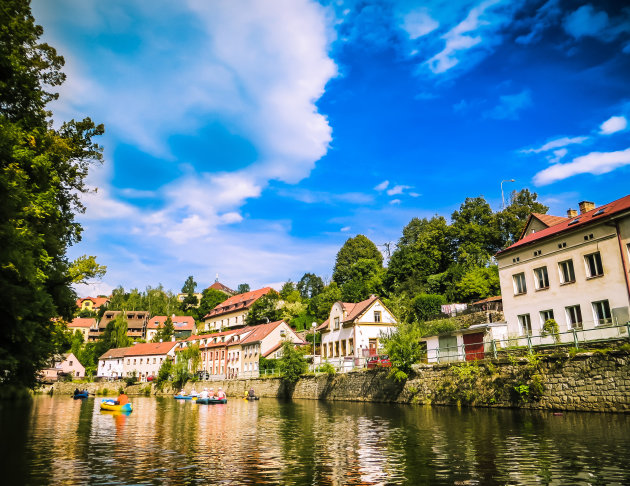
[{"x": 473, "y": 345}]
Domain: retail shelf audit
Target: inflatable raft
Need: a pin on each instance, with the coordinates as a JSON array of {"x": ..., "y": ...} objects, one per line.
[
  {"x": 211, "y": 401},
  {"x": 80, "y": 395},
  {"x": 109, "y": 404}
]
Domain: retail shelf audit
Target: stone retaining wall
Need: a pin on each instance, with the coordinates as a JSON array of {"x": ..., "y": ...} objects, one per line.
[{"x": 588, "y": 382}]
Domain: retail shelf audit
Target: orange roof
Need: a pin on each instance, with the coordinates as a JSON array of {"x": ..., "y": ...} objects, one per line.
[
  {"x": 97, "y": 301},
  {"x": 569, "y": 224},
  {"x": 261, "y": 331},
  {"x": 323, "y": 325},
  {"x": 114, "y": 353},
  {"x": 82, "y": 322},
  {"x": 222, "y": 288},
  {"x": 180, "y": 323},
  {"x": 549, "y": 219},
  {"x": 489, "y": 299},
  {"x": 144, "y": 349},
  {"x": 275, "y": 348},
  {"x": 238, "y": 302}
]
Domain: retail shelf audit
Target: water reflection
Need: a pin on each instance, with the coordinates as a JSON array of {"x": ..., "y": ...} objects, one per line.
[{"x": 57, "y": 440}]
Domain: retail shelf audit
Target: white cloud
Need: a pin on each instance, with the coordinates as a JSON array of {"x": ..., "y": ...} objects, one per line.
[
  {"x": 557, "y": 143},
  {"x": 613, "y": 124},
  {"x": 382, "y": 186},
  {"x": 345, "y": 229},
  {"x": 593, "y": 163},
  {"x": 395, "y": 201},
  {"x": 415, "y": 194},
  {"x": 419, "y": 23},
  {"x": 510, "y": 106},
  {"x": 588, "y": 22},
  {"x": 397, "y": 190},
  {"x": 557, "y": 155}
]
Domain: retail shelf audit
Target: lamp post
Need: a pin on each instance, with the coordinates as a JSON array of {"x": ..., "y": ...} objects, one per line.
[
  {"x": 502, "y": 198},
  {"x": 314, "y": 327}
]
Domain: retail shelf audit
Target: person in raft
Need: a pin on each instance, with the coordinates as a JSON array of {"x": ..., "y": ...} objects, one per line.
[
  {"x": 122, "y": 399},
  {"x": 211, "y": 393},
  {"x": 204, "y": 393},
  {"x": 182, "y": 393},
  {"x": 221, "y": 394},
  {"x": 250, "y": 393},
  {"x": 76, "y": 392},
  {"x": 193, "y": 393}
]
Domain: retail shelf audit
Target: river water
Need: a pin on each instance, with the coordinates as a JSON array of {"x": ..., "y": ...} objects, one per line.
[{"x": 58, "y": 440}]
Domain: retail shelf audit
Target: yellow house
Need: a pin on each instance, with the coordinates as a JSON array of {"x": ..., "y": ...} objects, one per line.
[
  {"x": 83, "y": 324},
  {"x": 92, "y": 303}
]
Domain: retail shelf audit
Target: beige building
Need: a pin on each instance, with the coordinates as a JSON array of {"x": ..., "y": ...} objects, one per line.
[
  {"x": 573, "y": 270},
  {"x": 183, "y": 326},
  {"x": 84, "y": 325},
  {"x": 92, "y": 303},
  {"x": 136, "y": 324},
  {"x": 233, "y": 311},
  {"x": 354, "y": 331}
]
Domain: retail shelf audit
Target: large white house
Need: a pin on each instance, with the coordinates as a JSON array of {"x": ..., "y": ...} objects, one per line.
[
  {"x": 573, "y": 270},
  {"x": 354, "y": 331},
  {"x": 143, "y": 359}
]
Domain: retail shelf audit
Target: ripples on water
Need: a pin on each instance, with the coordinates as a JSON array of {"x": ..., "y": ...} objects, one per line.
[{"x": 58, "y": 440}]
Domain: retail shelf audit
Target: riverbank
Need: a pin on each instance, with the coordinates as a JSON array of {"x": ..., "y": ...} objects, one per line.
[{"x": 596, "y": 382}]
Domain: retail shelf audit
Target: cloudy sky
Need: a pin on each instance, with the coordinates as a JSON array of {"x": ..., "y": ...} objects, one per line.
[{"x": 251, "y": 138}]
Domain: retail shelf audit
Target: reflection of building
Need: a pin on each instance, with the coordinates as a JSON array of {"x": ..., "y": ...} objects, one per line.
[
  {"x": 69, "y": 365},
  {"x": 354, "y": 330},
  {"x": 136, "y": 324},
  {"x": 183, "y": 326},
  {"x": 232, "y": 312},
  {"x": 84, "y": 325},
  {"x": 573, "y": 270},
  {"x": 92, "y": 303}
]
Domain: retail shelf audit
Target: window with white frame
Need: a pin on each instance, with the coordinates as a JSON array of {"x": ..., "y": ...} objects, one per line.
[
  {"x": 541, "y": 278},
  {"x": 574, "y": 317},
  {"x": 526, "y": 324},
  {"x": 567, "y": 273},
  {"x": 601, "y": 311},
  {"x": 545, "y": 315},
  {"x": 377, "y": 316},
  {"x": 336, "y": 323},
  {"x": 594, "y": 266},
  {"x": 520, "y": 286}
]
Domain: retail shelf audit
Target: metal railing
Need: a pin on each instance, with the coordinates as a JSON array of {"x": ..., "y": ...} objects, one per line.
[{"x": 528, "y": 344}]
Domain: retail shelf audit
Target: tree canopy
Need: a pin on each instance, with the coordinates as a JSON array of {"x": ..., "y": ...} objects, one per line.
[
  {"x": 353, "y": 250},
  {"x": 42, "y": 176}
]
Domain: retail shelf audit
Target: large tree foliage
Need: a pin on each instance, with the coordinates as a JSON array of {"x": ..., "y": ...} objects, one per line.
[
  {"x": 190, "y": 300},
  {"x": 42, "y": 174},
  {"x": 156, "y": 300},
  {"x": 511, "y": 221},
  {"x": 292, "y": 364},
  {"x": 353, "y": 250},
  {"x": 310, "y": 285},
  {"x": 210, "y": 298},
  {"x": 266, "y": 309}
]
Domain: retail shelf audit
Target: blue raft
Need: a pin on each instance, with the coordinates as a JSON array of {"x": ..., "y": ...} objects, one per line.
[{"x": 211, "y": 401}]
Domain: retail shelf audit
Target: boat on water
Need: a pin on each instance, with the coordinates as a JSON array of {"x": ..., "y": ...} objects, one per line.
[
  {"x": 110, "y": 405},
  {"x": 251, "y": 398},
  {"x": 211, "y": 401},
  {"x": 184, "y": 397},
  {"x": 80, "y": 395}
]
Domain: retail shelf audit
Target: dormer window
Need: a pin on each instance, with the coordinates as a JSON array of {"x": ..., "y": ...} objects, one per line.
[{"x": 336, "y": 321}]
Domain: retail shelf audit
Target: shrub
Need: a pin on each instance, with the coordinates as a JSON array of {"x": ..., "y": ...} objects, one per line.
[
  {"x": 428, "y": 306},
  {"x": 327, "y": 368},
  {"x": 292, "y": 364}
]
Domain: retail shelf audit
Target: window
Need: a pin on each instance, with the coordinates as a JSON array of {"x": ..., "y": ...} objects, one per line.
[
  {"x": 601, "y": 310},
  {"x": 140, "y": 360},
  {"x": 594, "y": 265},
  {"x": 70, "y": 363},
  {"x": 574, "y": 317},
  {"x": 336, "y": 323},
  {"x": 519, "y": 284},
  {"x": 567, "y": 274},
  {"x": 134, "y": 361},
  {"x": 541, "y": 278},
  {"x": 377, "y": 316},
  {"x": 545, "y": 316},
  {"x": 154, "y": 360},
  {"x": 526, "y": 324},
  {"x": 128, "y": 361}
]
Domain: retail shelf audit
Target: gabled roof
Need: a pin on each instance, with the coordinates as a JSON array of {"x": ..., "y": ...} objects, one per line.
[
  {"x": 180, "y": 323},
  {"x": 114, "y": 353},
  {"x": 97, "y": 301},
  {"x": 590, "y": 217},
  {"x": 323, "y": 325},
  {"x": 222, "y": 288},
  {"x": 545, "y": 219},
  {"x": 497, "y": 298},
  {"x": 260, "y": 332},
  {"x": 144, "y": 349},
  {"x": 355, "y": 310},
  {"x": 82, "y": 322},
  {"x": 238, "y": 302},
  {"x": 275, "y": 348}
]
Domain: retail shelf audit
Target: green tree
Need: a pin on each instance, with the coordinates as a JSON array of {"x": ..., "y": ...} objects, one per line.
[
  {"x": 287, "y": 289},
  {"x": 479, "y": 283},
  {"x": 165, "y": 332},
  {"x": 164, "y": 373},
  {"x": 511, "y": 221},
  {"x": 84, "y": 268},
  {"x": 320, "y": 305},
  {"x": 427, "y": 306},
  {"x": 190, "y": 301},
  {"x": 292, "y": 364},
  {"x": 265, "y": 309},
  {"x": 42, "y": 177},
  {"x": 404, "y": 349},
  {"x": 210, "y": 298},
  {"x": 353, "y": 250},
  {"x": 364, "y": 278},
  {"x": 242, "y": 288},
  {"x": 475, "y": 232},
  {"x": 310, "y": 285},
  {"x": 120, "y": 339}
]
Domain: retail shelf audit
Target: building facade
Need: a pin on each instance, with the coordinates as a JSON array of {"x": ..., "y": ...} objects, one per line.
[
  {"x": 84, "y": 325},
  {"x": 232, "y": 312},
  {"x": 183, "y": 326},
  {"x": 573, "y": 270},
  {"x": 68, "y": 365}
]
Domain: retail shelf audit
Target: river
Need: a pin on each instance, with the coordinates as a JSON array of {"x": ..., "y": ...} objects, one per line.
[{"x": 58, "y": 440}]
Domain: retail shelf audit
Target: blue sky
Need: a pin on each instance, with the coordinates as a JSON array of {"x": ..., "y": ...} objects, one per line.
[{"x": 250, "y": 139}]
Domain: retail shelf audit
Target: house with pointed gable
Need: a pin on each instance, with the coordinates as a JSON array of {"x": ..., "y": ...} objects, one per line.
[
  {"x": 574, "y": 270},
  {"x": 232, "y": 312},
  {"x": 354, "y": 330}
]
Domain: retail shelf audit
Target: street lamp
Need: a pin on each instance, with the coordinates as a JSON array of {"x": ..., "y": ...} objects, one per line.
[
  {"x": 502, "y": 198},
  {"x": 314, "y": 327}
]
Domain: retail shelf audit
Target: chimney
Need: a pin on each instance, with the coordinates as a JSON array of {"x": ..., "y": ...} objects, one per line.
[
  {"x": 571, "y": 213},
  {"x": 586, "y": 206}
]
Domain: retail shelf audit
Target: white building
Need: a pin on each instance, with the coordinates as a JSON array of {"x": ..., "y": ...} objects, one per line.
[
  {"x": 145, "y": 359},
  {"x": 573, "y": 270},
  {"x": 110, "y": 364},
  {"x": 232, "y": 312},
  {"x": 476, "y": 342},
  {"x": 353, "y": 331}
]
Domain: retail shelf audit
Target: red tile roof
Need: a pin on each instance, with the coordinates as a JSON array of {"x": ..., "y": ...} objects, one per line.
[
  {"x": 355, "y": 310},
  {"x": 275, "y": 348},
  {"x": 114, "y": 353},
  {"x": 593, "y": 216},
  {"x": 489, "y": 299},
  {"x": 323, "y": 325},
  {"x": 83, "y": 322},
  {"x": 260, "y": 332},
  {"x": 180, "y": 323},
  {"x": 222, "y": 288},
  {"x": 238, "y": 302},
  {"x": 549, "y": 219},
  {"x": 144, "y": 349},
  {"x": 97, "y": 301}
]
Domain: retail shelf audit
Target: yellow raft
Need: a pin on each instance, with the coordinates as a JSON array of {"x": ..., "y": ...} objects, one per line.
[{"x": 110, "y": 405}]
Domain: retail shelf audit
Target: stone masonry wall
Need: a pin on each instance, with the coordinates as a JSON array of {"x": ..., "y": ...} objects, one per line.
[{"x": 588, "y": 382}]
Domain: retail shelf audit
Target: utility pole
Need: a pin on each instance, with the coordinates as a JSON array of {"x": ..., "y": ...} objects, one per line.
[{"x": 503, "y": 198}]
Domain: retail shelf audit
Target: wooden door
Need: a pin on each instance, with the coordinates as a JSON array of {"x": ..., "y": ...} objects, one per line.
[{"x": 473, "y": 346}]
